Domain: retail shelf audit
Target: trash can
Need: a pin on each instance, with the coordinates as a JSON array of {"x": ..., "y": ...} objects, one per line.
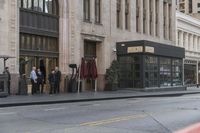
[
  {"x": 73, "y": 82},
  {"x": 23, "y": 87},
  {"x": 3, "y": 85},
  {"x": 66, "y": 82}
]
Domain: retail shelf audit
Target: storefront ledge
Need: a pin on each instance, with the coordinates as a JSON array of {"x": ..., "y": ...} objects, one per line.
[{"x": 160, "y": 89}]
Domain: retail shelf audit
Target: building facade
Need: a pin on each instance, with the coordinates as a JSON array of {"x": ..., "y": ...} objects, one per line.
[
  {"x": 49, "y": 33},
  {"x": 191, "y": 7},
  {"x": 188, "y": 37}
]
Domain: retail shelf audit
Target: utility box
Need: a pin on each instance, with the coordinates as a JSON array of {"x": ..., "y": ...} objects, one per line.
[{"x": 3, "y": 85}]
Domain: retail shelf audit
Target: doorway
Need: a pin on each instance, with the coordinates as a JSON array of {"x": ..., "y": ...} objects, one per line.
[{"x": 90, "y": 48}]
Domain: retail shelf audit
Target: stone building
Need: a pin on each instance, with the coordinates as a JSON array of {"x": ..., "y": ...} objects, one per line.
[
  {"x": 188, "y": 37},
  {"x": 47, "y": 33},
  {"x": 190, "y": 7}
]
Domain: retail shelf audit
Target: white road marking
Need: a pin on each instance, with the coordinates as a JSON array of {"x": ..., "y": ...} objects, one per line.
[
  {"x": 8, "y": 113},
  {"x": 54, "y": 109}
]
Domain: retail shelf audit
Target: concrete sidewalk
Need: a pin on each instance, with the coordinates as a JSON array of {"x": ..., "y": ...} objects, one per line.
[{"x": 12, "y": 101}]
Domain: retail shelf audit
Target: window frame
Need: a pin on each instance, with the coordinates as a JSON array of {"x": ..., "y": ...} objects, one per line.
[
  {"x": 30, "y": 5},
  {"x": 98, "y": 4},
  {"x": 86, "y": 10}
]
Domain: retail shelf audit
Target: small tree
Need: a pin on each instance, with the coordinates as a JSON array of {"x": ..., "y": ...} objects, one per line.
[{"x": 112, "y": 74}]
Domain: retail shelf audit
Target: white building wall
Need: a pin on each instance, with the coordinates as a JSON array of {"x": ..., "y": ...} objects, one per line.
[
  {"x": 190, "y": 28},
  {"x": 9, "y": 37}
]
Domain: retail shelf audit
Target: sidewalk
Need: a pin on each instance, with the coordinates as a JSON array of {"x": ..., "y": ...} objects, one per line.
[{"x": 12, "y": 101}]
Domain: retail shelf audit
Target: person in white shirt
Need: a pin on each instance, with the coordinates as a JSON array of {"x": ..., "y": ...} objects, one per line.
[{"x": 33, "y": 77}]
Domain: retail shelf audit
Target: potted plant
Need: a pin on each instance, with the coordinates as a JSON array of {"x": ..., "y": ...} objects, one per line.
[{"x": 112, "y": 76}]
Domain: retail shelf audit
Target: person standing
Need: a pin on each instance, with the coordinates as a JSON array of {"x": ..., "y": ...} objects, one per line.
[
  {"x": 40, "y": 81},
  {"x": 52, "y": 80},
  {"x": 33, "y": 77},
  {"x": 57, "y": 79},
  {"x": 6, "y": 72}
]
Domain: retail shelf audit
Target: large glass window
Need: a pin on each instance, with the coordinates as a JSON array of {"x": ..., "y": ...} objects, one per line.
[
  {"x": 165, "y": 72},
  {"x": 89, "y": 49},
  {"x": 42, "y": 43},
  {"x": 126, "y": 72},
  {"x": 190, "y": 74},
  {"x": 176, "y": 72},
  {"x": 46, "y": 6},
  {"x": 151, "y": 71}
]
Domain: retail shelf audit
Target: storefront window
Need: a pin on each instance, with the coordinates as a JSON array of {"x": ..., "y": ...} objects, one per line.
[
  {"x": 190, "y": 74},
  {"x": 165, "y": 72},
  {"x": 126, "y": 69},
  {"x": 176, "y": 72},
  {"x": 151, "y": 71}
]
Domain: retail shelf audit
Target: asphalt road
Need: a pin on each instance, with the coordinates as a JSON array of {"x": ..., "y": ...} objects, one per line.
[{"x": 141, "y": 115}]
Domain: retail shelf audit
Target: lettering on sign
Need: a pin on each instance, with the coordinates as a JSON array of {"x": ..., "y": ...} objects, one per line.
[
  {"x": 136, "y": 49},
  {"x": 149, "y": 49}
]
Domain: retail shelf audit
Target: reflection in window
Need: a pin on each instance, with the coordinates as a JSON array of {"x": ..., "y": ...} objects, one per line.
[
  {"x": 151, "y": 71},
  {"x": 165, "y": 72},
  {"x": 177, "y": 72},
  {"x": 40, "y": 6},
  {"x": 46, "y": 6},
  {"x": 29, "y": 6}
]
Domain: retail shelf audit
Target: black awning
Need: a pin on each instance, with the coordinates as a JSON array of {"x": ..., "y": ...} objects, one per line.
[{"x": 149, "y": 47}]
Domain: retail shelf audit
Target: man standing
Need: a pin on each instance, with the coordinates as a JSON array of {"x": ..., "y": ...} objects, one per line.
[
  {"x": 52, "y": 82},
  {"x": 33, "y": 77},
  {"x": 57, "y": 79},
  {"x": 40, "y": 81},
  {"x": 6, "y": 71}
]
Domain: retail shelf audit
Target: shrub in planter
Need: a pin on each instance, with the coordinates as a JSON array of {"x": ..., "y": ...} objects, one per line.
[{"x": 112, "y": 76}]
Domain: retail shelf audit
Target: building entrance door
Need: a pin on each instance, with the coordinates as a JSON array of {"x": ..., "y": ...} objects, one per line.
[{"x": 45, "y": 64}]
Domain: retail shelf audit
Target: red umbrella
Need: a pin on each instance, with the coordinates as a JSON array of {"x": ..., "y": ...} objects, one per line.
[
  {"x": 94, "y": 74},
  {"x": 84, "y": 70},
  {"x": 89, "y": 70}
]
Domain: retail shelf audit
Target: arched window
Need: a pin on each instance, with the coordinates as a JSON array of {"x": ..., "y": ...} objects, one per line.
[{"x": 45, "y": 6}]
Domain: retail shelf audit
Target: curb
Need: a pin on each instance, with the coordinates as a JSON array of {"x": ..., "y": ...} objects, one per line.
[{"x": 91, "y": 99}]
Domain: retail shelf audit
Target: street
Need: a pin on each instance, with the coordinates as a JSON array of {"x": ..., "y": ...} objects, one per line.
[{"x": 141, "y": 115}]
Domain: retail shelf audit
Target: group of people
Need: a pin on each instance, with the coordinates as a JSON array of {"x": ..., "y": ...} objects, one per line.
[{"x": 38, "y": 79}]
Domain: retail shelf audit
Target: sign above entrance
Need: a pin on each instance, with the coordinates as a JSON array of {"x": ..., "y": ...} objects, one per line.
[
  {"x": 149, "y": 49},
  {"x": 135, "y": 49}
]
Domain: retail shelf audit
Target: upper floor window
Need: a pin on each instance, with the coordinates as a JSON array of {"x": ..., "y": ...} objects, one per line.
[
  {"x": 118, "y": 13},
  {"x": 198, "y": 5},
  {"x": 127, "y": 14},
  {"x": 45, "y": 6},
  {"x": 86, "y": 10},
  {"x": 98, "y": 11}
]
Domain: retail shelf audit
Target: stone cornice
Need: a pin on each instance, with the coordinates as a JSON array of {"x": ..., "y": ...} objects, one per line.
[{"x": 187, "y": 19}]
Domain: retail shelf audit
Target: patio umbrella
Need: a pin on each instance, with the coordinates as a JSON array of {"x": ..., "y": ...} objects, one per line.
[
  {"x": 84, "y": 70},
  {"x": 94, "y": 74},
  {"x": 89, "y": 75}
]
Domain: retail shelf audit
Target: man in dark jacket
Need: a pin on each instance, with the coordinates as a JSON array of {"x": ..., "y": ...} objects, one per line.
[
  {"x": 40, "y": 81},
  {"x": 6, "y": 71},
  {"x": 58, "y": 79},
  {"x": 52, "y": 80}
]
